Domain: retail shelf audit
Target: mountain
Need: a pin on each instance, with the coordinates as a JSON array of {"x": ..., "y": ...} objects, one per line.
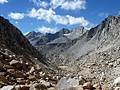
[
  {"x": 60, "y": 42},
  {"x": 77, "y": 55},
  {"x": 97, "y": 37},
  {"x": 37, "y": 38},
  {"x": 21, "y": 65},
  {"x": 76, "y": 33},
  {"x": 96, "y": 53},
  {"x": 93, "y": 53},
  {"x": 34, "y": 37},
  {"x": 33, "y": 34},
  {"x": 12, "y": 38}
]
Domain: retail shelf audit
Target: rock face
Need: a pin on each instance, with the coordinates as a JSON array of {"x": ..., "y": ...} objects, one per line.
[
  {"x": 35, "y": 37},
  {"x": 76, "y": 33}
]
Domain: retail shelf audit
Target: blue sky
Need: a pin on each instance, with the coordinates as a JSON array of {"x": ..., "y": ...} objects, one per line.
[{"x": 52, "y": 15}]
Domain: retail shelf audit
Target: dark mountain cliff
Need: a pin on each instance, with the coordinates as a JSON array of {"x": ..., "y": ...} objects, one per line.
[{"x": 13, "y": 39}]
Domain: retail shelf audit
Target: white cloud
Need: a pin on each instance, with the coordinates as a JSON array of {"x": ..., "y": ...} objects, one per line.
[
  {"x": 63, "y": 4},
  {"x": 50, "y": 15},
  {"x": 3, "y": 1},
  {"x": 40, "y": 3},
  {"x": 73, "y": 5},
  {"x": 79, "y": 20},
  {"x": 42, "y": 14},
  {"x": 60, "y": 19},
  {"x": 16, "y": 16},
  {"x": 70, "y": 20},
  {"x": 44, "y": 30},
  {"x": 56, "y": 3},
  {"x": 68, "y": 4}
]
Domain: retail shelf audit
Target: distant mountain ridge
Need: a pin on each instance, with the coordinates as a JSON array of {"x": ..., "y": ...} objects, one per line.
[
  {"x": 88, "y": 52},
  {"x": 58, "y": 42},
  {"x": 37, "y": 38}
]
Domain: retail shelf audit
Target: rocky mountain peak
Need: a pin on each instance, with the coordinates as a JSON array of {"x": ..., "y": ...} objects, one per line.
[
  {"x": 76, "y": 33},
  {"x": 62, "y": 32},
  {"x": 37, "y": 38},
  {"x": 33, "y": 34},
  {"x": 78, "y": 28},
  {"x": 105, "y": 28},
  {"x": 110, "y": 17}
]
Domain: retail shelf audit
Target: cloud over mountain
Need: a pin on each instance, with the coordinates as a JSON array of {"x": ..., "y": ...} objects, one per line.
[
  {"x": 44, "y": 30},
  {"x": 50, "y": 15},
  {"x": 16, "y": 16}
]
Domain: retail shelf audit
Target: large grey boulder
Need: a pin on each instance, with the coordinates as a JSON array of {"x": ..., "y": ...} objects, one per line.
[
  {"x": 9, "y": 87},
  {"x": 66, "y": 83}
]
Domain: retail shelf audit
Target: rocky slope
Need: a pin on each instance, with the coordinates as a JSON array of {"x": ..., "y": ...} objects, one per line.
[
  {"x": 12, "y": 38},
  {"x": 99, "y": 38},
  {"x": 19, "y": 73},
  {"x": 96, "y": 55},
  {"x": 22, "y": 67}
]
